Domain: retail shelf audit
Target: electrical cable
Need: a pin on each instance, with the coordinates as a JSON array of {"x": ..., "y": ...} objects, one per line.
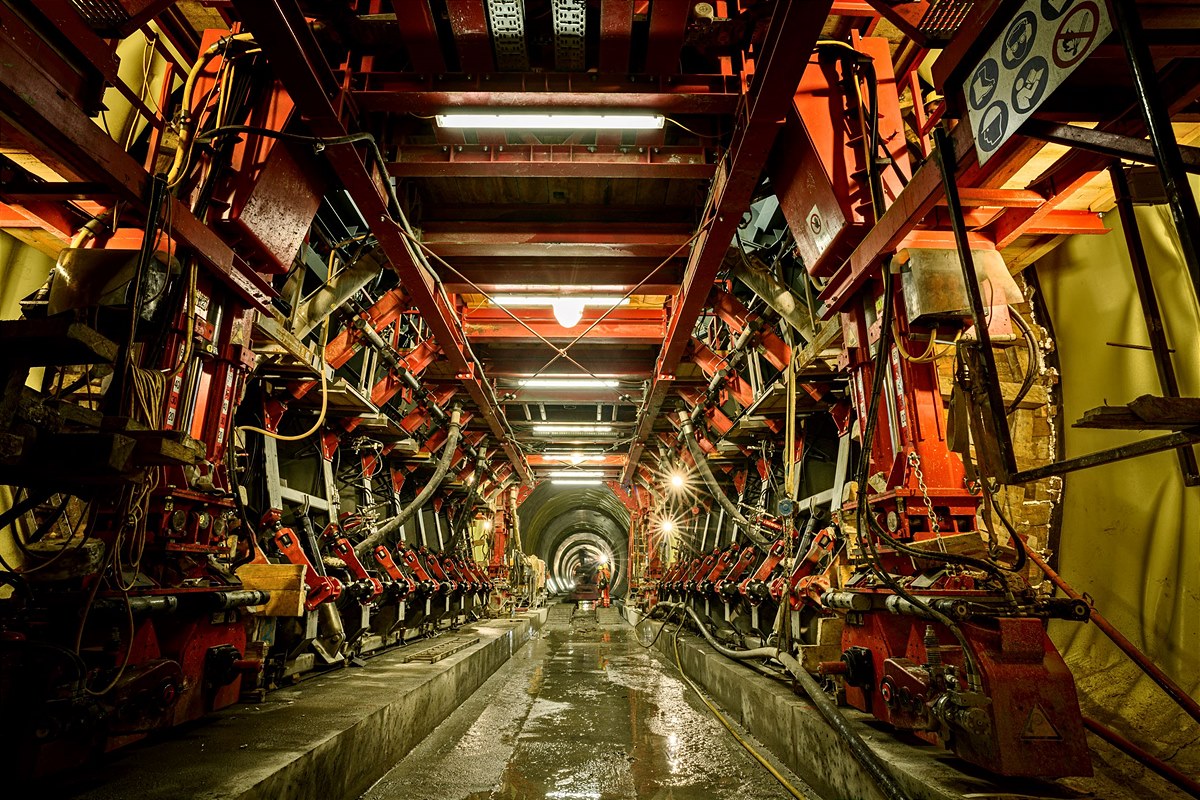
[
  {"x": 321, "y": 143},
  {"x": 1034, "y": 366},
  {"x": 784, "y": 782},
  {"x": 820, "y": 700},
  {"x": 324, "y": 400},
  {"x": 679, "y": 124}
]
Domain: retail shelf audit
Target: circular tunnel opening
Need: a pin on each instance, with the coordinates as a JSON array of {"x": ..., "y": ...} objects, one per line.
[{"x": 572, "y": 527}]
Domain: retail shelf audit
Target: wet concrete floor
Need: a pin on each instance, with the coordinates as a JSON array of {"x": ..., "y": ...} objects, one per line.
[{"x": 583, "y": 713}]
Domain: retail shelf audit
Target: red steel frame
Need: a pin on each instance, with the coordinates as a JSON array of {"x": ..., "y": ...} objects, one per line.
[
  {"x": 552, "y": 161},
  {"x": 280, "y": 29},
  {"x": 432, "y": 94},
  {"x": 793, "y": 31}
]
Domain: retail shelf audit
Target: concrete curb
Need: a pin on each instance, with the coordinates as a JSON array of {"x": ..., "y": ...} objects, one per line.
[
  {"x": 793, "y": 730},
  {"x": 328, "y": 738}
]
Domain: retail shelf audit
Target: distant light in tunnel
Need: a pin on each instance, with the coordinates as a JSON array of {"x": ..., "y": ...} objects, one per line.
[{"x": 577, "y": 482}]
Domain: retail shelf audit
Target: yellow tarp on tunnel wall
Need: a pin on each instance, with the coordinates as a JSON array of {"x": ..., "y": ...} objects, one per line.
[{"x": 1130, "y": 535}]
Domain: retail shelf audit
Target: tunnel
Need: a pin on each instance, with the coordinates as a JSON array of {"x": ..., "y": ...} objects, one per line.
[
  {"x": 562, "y": 524},
  {"x": 599, "y": 399}
]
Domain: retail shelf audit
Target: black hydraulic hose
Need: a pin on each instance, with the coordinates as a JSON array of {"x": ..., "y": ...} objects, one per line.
[
  {"x": 688, "y": 434},
  {"x": 825, "y": 707},
  {"x": 397, "y": 522}
]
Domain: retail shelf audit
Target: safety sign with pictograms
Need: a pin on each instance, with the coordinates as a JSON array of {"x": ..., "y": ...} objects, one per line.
[{"x": 1043, "y": 43}]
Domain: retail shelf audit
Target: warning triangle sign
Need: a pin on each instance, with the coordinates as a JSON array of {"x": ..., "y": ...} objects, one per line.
[{"x": 1038, "y": 726}]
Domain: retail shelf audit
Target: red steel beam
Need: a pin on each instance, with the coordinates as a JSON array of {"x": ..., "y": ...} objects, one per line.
[
  {"x": 917, "y": 199},
  {"x": 578, "y": 250},
  {"x": 577, "y": 231},
  {"x": 627, "y": 327},
  {"x": 50, "y": 217},
  {"x": 280, "y": 29},
  {"x": 711, "y": 364},
  {"x": 419, "y": 34},
  {"x": 386, "y": 310},
  {"x": 404, "y": 92},
  {"x": 46, "y": 118},
  {"x": 616, "y": 34},
  {"x": 794, "y": 28},
  {"x": 668, "y": 24},
  {"x": 468, "y": 20},
  {"x": 564, "y": 462},
  {"x": 548, "y": 275},
  {"x": 551, "y": 161}
]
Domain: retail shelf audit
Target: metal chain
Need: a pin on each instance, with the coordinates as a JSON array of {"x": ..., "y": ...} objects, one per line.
[{"x": 914, "y": 461}]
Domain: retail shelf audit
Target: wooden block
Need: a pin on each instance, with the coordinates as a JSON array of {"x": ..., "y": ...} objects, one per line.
[
  {"x": 285, "y": 582},
  {"x": 1179, "y": 412}
]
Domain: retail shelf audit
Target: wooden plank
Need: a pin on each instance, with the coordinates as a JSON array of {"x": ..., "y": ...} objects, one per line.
[
  {"x": 1180, "y": 412},
  {"x": 285, "y": 582}
]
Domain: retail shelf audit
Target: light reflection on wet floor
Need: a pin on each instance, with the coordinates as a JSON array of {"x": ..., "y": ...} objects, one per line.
[{"x": 580, "y": 713}]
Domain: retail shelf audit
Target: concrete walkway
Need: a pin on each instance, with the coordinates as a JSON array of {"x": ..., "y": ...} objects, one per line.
[{"x": 582, "y": 713}]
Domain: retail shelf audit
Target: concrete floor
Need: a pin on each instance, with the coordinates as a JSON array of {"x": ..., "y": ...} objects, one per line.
[{"x": 582, "y": 713}]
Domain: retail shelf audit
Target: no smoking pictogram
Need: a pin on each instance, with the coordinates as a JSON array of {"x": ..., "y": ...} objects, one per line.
[{"x": 1075, "y": 34}]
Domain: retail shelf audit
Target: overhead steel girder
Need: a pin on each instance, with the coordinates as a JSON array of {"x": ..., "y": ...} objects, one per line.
[
  {"x": 649, "y": 232},
  {"x": 553, "y": 274},
  {"x": 419, "y": 33},
  {"x": 552, "y": 161},
  {"x": 619, "y": 327},
  {"x": 616, "y": 34},
  {"x": 280, "y": 29},
  {"x": 472, "y": 36},
  {"x": 50, "y": 121},
  {"x": 668, "y": 26},
  {"x": 404, "y": 92},
  {"x": 451, "y": 248},
  {"x": 793, "y": 31}
]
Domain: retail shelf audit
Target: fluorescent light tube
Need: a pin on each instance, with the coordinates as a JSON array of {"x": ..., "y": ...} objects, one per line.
[
  {"x": 560, "y": 121},
  {"x": 549, "y": 300},
  {"x": 556, "y": 429},
  {"x": 565, "y": 383},
  {"x": 577, "y": 482},
  {"x": 576, "y": 473}
]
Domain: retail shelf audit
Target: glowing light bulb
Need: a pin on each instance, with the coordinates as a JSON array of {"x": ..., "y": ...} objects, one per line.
[
  {"x": 668, "y": 525},
  {"x": 568, "y": 311},
  {"x": 677, "y": 480}
]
